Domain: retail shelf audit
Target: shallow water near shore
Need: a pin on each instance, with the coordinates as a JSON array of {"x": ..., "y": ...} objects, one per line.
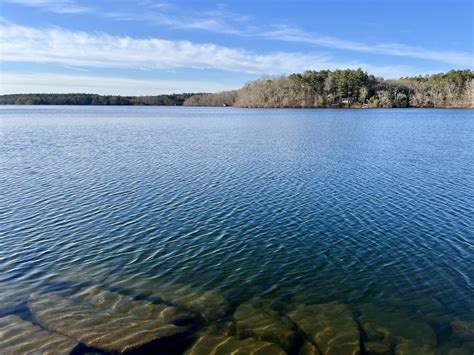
[{"x": 237, "y": 229}]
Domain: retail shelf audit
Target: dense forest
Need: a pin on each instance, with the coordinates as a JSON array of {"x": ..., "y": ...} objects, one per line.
[
  {"x": 348, "y": 88},
  {"x": 91, "y": 99}
]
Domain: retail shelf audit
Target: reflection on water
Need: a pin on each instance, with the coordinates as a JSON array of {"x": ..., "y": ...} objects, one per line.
[{"x": 191, "y": 230}]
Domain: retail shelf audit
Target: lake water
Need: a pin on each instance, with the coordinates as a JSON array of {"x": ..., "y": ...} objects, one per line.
[{"x": 267, "y": 229}]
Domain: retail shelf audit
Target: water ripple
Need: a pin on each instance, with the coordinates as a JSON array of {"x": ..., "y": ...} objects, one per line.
[{"x": 309, "y": 206}]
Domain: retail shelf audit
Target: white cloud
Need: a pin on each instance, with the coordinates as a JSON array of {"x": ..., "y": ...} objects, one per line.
[
  {"x": 223, "y": 21},
  {"x": 60, "y": 46},
  {"x": 58, "y": 6},
  {"x": 58, "y": 83},
  {"x": 79, "y": 51}
]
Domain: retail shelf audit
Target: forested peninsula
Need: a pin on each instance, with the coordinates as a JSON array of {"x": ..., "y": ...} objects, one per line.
[
  {"x": 311, "y": 89},
  {"x": 348, "y": 88}
]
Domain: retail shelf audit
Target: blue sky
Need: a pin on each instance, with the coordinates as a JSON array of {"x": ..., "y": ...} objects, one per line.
[{"x": 146, "y": 47}]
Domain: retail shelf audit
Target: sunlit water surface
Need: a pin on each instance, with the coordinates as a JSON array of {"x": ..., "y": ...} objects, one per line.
[{"x": 364, "y": 209}]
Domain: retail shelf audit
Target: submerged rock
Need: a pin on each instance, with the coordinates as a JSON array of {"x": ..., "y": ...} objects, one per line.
[
  {"x": 330, "y": 326},
  {"x": 223, "y": 345},
  {"x": 463, "y": 330},
  {"x": 12, "y": 295},
  {"x": 424, "y": 305},
  {"x": 411, "y": 348},
  {"x": 377, "y": 347},
  {"x": 18, "y": 336},
  {"x": 211, "y": 304},
  {"x": 264, "y": 324},
  {"x": 460, "y": 351},
  {"x": 107, "y": 320},
  {"x": 396, "y": 330},
  {"x": 308, "y": 349}
]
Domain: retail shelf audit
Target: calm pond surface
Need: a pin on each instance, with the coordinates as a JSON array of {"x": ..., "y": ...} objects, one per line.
[{"x": 173, "y": 230}]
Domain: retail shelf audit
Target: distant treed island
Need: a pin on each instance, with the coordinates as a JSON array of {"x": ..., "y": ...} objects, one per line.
[{"x": 325, "y": 88}]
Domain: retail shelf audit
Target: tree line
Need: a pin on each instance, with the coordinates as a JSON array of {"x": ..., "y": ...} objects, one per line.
[
  {"x": 325, "y": 88},
  {"x": 348, "y": 88},
  {"x": 92, "y": 99}
]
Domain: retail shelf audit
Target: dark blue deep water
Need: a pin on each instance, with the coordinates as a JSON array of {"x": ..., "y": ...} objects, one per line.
[{"x": 364, "y": 208}]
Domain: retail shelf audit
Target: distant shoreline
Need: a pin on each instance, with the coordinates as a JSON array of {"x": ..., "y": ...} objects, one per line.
[
  {"x": 346, "y": 88},
  {"x": 83, "y": 99},
  {"x": 237, "y": 107}
]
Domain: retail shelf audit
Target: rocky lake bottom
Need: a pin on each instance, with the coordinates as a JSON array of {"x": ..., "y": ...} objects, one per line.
[{"x": 80, "y": 317}]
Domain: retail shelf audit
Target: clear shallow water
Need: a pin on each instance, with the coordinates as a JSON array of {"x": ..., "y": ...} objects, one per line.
[{"x": 366, "y": 208}]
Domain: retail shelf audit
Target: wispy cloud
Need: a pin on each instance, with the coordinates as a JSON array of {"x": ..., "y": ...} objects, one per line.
[
  {"x": 57, "y": 83},
  {"x": 224, "y": 21},
  {"x": 291, "y": 34},
  {"x": 101, "y": 50},
  {"x": 57, "y": 6},
  {"x": 203, "y": 21},
  {"x": 219, "y": 20},
  {"x": 81, "y": 49},
  {"x": 76, "y": 68}
]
